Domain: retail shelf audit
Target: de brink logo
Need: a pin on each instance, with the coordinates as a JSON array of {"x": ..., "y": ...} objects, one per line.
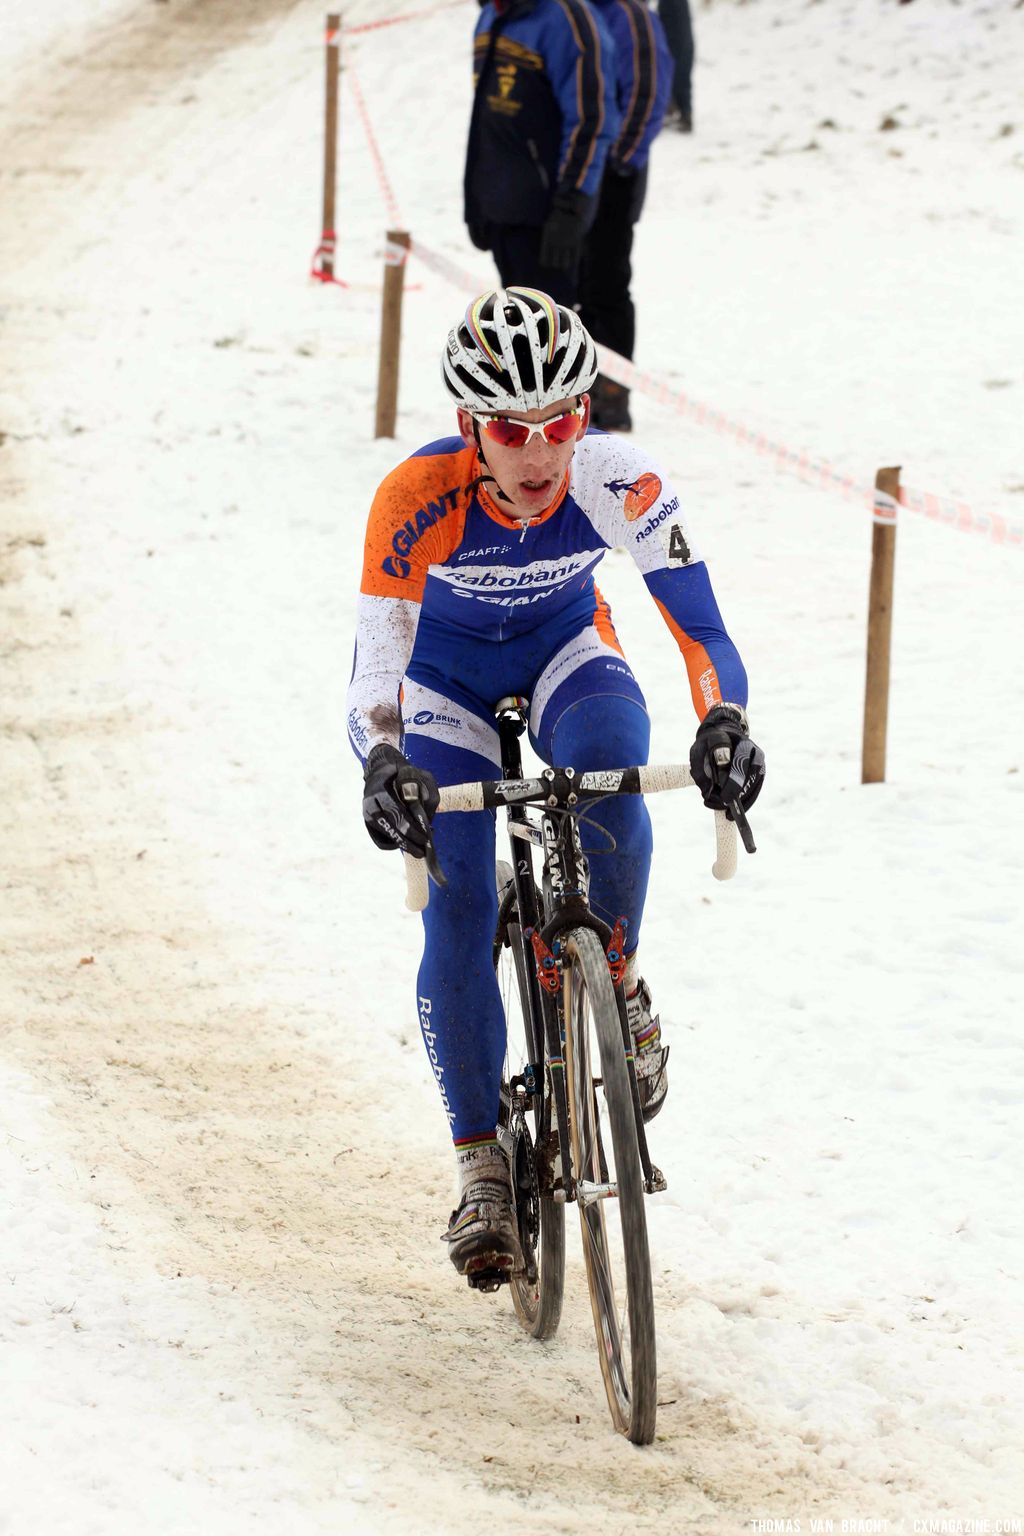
[{"x": 640, "y": 494}]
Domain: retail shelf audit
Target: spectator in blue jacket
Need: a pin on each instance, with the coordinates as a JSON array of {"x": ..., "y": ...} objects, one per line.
[
  {"x": 644, "y": 84},
  {"x": 544, "y": 116}
]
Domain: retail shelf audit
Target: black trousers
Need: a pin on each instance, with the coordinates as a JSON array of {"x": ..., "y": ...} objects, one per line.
[
  {"x": 606, "y": 304},
  {"x": 516, "y": 252},
  {"x": 675, "y": 18}
]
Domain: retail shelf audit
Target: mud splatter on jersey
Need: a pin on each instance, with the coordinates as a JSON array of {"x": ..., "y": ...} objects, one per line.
[{"x": 439, "y": 545}]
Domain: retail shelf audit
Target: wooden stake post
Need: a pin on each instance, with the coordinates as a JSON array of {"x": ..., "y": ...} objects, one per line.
[
  {"x": 333, "y": 50},
  {"x": 395, "y": 254},
  {"x": 883, "y": 560}
]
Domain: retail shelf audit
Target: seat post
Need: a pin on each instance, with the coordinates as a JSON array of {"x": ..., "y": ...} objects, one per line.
[{"x": 511, "y": 713}]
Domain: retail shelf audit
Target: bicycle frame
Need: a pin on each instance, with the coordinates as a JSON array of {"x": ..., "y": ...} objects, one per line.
[
  {"x": 523, "y": 836},
  {"x": 558, "y": 792},
  {"x": 565, "y": 884}
]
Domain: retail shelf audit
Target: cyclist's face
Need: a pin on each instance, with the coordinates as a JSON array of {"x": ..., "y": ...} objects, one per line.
[{"x": 530, "y": 476}]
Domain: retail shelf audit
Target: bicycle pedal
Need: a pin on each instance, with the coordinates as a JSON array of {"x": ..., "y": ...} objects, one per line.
[
  {"x": 657, "y": 1183},
  {"x": 488, "y": 1280}
]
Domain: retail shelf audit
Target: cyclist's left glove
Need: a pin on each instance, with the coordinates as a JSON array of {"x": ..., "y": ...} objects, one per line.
[
  {"x": 398, "y": 801},
  {"x": 726, "y": 765}
]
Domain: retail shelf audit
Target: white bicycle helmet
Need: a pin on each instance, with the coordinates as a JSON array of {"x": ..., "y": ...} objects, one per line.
[{"x": 517, "y": 350}]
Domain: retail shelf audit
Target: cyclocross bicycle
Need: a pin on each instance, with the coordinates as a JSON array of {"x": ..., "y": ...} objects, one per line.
[{"x": 570, "y": 1119}]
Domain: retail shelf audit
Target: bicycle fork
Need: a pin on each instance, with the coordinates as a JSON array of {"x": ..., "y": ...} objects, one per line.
[{"x": 548, "y": 963}]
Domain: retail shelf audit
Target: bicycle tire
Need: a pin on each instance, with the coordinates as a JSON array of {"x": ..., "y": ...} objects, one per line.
[
  {"x": 537, "y": 1300},
  {"x": 604, "y": 1147}
]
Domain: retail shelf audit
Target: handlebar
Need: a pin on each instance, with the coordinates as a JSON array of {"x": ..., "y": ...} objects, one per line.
[{"x": 562, "y": 787}]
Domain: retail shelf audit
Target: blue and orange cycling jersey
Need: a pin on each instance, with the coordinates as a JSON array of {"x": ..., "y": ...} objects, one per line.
[{"x": 439, "y": 545}]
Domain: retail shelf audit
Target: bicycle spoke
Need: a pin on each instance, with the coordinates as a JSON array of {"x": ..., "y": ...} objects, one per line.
[
  {"x": 536, "y": 1295},
  {"x": 606, "y": 1159}
]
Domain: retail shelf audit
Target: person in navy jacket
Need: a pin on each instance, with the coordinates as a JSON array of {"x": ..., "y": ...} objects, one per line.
[
  {"x": 644, "y": 70},
  {"x": 544, "y": 117}
]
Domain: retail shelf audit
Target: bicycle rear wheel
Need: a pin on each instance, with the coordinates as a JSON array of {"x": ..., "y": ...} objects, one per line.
[
  {"x": 537, "y": 1294},
  {"x": 610, "y": 1190}
]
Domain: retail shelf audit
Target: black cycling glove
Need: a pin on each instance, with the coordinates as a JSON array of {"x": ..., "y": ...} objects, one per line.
[
  {"x": 561, "y": 238},
  {"x": 398, "y": 801},
  {"x": 727, "y": 766}
]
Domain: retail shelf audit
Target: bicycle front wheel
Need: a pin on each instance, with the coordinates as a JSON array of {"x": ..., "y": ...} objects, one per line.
[
  {"x": 536, "y": 1294},
  {"x": 609, "y": 1185}
]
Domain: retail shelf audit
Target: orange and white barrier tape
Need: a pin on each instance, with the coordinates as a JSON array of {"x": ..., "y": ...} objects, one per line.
[
  {"x": 395, "y": 21},
  {"x": 391, "y": 202},
  {"x": 943, "y": 509},
  {"x": 459, "y": 277},
  {"x": 957, "y": 514},
  {"x": 322, "y": 265}
]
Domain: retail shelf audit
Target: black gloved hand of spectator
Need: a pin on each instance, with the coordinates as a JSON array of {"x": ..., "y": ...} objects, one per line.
[
  {"x": 561, "y": 238},
  {"x": 398, "y": 801},
  {"x": 480, "y": 234},
  {"x": 727, "y": 766}
]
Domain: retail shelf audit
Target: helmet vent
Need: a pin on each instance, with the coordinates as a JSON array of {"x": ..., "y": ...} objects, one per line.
[{"x": 517, "y": 350}]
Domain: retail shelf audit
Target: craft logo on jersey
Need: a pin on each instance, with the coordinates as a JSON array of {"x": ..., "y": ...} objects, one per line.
[
  {"x": 413, "y": 529},
  {"x": 638, "y": 495}
]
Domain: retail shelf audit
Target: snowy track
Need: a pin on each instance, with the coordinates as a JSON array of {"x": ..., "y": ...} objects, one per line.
[{"x": 223, "y": 1305}]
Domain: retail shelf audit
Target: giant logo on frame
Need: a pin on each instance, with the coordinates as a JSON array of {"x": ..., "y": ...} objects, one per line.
[{"x": 638, "y": 495}]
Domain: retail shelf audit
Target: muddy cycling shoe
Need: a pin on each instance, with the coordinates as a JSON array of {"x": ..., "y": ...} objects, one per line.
[
  {"x": 649, "y": 1055},
  {"x": 482, "y": 1238}
]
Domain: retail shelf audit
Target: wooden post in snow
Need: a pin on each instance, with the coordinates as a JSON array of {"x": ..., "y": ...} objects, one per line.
[
  {"x": 396, "y": 251},
  {"x": 333, "y": 51},
  {"x": 876, "y": 691}
]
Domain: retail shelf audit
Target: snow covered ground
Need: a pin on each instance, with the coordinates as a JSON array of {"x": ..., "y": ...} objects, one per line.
[{"x": 223, "y": 1305}]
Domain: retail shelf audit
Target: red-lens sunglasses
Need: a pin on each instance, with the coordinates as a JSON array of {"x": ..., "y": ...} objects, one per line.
[{"x": 516, "y": 434}]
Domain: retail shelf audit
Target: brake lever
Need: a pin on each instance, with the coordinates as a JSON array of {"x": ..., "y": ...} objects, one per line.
[
  {"x": 410, "y": 793},
  {"x": 736, "y": 813},
  {"x": 722, "y": 756},
  {"x": 434, "y": 869}
]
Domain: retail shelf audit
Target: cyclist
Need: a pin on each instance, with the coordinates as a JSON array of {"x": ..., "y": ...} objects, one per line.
[{"x": 478, "y": 583}]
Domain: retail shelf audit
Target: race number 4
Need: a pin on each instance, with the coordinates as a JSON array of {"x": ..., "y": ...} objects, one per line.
[{"x": 678, "y": 549}]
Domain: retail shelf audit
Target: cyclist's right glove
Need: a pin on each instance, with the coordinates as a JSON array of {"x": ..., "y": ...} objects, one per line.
[
  {"x": 561, "y": 235},
  {"x": 726, "y": 765},
  {"x": 398, "y": 801}
]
